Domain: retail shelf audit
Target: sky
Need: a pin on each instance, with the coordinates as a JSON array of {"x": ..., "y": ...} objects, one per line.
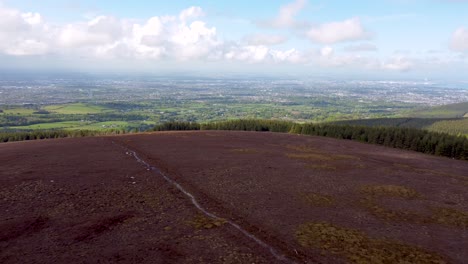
[{"x": 400, "y": 39}]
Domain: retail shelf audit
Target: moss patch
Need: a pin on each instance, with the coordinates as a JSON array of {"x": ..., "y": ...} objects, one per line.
[
  {"x": 440, "y": 215},
  {"x": 390, "y": 191},
  {"x": 302, "y": 148},
  {"x": 450, "y": 216},
  {"x": 391, "y": 215},
  {"x": 304, "y": 152},
  {"x": 357, "y": 247},
  {"x": 308, "y": 156},
  {"x": 245, "y": 150},
  {"x": 203, "y": 222},
  {"x": 321, "y": 167},
  {"x": 316, "y": 199},
  {"x": 426, "y": 171}
]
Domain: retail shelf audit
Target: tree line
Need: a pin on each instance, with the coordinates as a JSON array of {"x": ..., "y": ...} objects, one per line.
[
  {"x": 440, "y": 144},
  {"x": 50, "y": 134}
]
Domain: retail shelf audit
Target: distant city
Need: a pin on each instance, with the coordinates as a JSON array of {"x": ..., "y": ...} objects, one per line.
[{"x": 18, "y": 90}]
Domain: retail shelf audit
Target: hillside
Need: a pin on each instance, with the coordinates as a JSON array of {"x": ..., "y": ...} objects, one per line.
[
  {"x": 228, "y": 197},
  {"x": 451, "y": 119},
  {"x": 453, "y": 126},
  {"x": 444, "y": 111}
]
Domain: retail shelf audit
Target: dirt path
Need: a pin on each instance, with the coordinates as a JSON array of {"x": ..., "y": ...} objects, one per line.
[
  {"x": 194, "y": 201},
  {"x": 84, "y": 200}
]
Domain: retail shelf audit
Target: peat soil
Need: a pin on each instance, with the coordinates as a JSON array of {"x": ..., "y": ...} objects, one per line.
[{"x": 311, "y": 199}]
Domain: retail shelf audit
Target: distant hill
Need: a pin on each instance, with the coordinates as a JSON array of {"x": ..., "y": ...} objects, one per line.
[
  {"x": 445, "y": 111},
  {"x": 395, "y": 122},
  {"x": 454, "y": 126},
  {"x": 451, "y": 119}
]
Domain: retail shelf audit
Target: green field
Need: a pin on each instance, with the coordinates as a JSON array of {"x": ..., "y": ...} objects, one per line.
[
  {"x": 102, "y": 126},
  {"x": 54, "y": 125},
  {"x": 77, "y": 109},
  {"x": 143, "y": 115},
  {"x": 19, "y": 111},
  {"x": 76, "y": 125}
]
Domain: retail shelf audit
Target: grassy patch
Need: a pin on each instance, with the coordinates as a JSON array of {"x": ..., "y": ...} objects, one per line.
[
  {"x": 310, "y": 153},
  {"x": 357, "y": 247},
  {"x": 76, "y": 125},
  {"x": 360, "y": 166},
  {"x": 245, "y": 150},
  {"x": 302, "y": 148},
  {"x": 316, "y": 199},
  {"x": 450, "y": 216},
  {"x": 76, "y": 108},
  {"x": 103, "y": 125},
  {"x": 344, "y": 157},
  {"x": 54, "y": 125},
  {"x": 308, "y": 156},
  {"x": 390, "y": 190},
  {"x": 440, "y": 215},
  {"x": 203, "y": 222},
  {"x": 464, "y": 179},
  {"x": 321, "y": 167},
  {"x": 19, "y": 111},
  {"x": 386, "y": 214}
]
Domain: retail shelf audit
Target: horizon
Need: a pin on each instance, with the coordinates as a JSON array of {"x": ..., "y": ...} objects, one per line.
[{"x": 392, "y": 39}]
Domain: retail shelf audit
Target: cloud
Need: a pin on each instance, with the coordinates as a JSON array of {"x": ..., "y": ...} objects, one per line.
[
  {"x": 288, "y": 12},
  {"x": 193, "y": 41},
  {"x": 398, "y": 64},
  {"x": 262, "y": 54},
  {"x": 334, "y": 32},
  {"x": 191, "y": 13},
  {"x": 99, "y": 31},
  {"x": 360, "y": 47},
  {"x": 326, "y": 51},
  {"x": 27, "y": 47},
  {"x": 185, "y": 36},
  {"x": 251, "y": 54},
  {"x": 22, "y": 33},
  {"x": 264, "y": 39},
  {"x": 286, "y": 15},
  {"x": 181, "y": 37},
  {"x": 290, "y": 56},
  {"x": 460, "y": 40}
]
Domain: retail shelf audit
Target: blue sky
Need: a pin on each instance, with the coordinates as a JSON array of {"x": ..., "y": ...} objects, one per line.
[{"x": 389, "y": 38}]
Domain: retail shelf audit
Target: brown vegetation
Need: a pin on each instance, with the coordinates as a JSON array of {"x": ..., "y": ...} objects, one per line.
[{"x": 86, "y": 199}]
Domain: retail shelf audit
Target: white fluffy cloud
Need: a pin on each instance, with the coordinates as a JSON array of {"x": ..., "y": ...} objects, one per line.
[
  {"x": 291, "y": 56},
  {"x": 326, "y": 51},
  {"x": 261, "y": 54},
  {"x": 191, "y": 13},
  {"x": 179, "y": 37},
  {"x": 264, "y": 39},
  {"x": 182, "y": 37},
  {"x": 187, "y": 37},
  {"x": 251, "y": 54},
  {"x": 460, "y": 40},
  {"x": 22, "y": 33},
  {"x": 101, "y": 30},
  {"x": 360, "y": 47},
  {"x": 286, "y": 15},
  {"x": 398, "y": 64},
  {"x": 333, "y": 32}
]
